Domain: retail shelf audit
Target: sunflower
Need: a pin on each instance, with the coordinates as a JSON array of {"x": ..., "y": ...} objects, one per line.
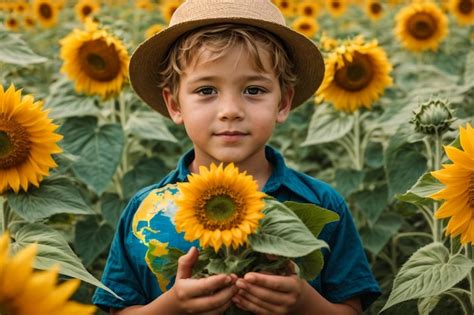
[
  {"x": 458, "y": 195},
  {"x": 46, "y": 12},
  {"x": 328, "y": 43},
  {"x": 11, "y": 23},
  {"x": 146, "y": 5},
  {"x": 85, "y": 9},
  {"x": 306, "y": 26},
  {"x": 24, "y": 291},
  {"x": 168, "y": 8},
  {"x": 28, "y": 20},
  {"x": 463, "y": 11},
  {"x": 27, "y": 140},
  {"x": 421, "y": 26},
  {"x": 95, "y": 60},
  {"x": 152, "y": 30},
  {"x": 219, "y": 206},
  {"x": 336, "y": 7},
  {"x": 309, "y": 8},
  {"x": 356, "y": 75},
  {"x": 287, "y": 7},
  {"x": 21, "y": 6},
  {"x": 374, "y": 9}
]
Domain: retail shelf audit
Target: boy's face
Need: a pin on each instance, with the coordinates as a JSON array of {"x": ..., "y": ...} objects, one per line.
[{"x": 228, "y": 107}]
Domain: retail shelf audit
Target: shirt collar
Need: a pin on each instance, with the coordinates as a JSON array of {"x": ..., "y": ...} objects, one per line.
[{"x": 281, "y": 174}]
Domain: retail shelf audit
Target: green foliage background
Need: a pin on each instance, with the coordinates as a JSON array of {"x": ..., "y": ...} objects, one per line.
[{"x": 113, "y": 148}]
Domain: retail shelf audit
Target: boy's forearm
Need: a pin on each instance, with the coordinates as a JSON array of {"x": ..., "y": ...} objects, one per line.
[
  {"x": 312, "y": 302},
  {"x": 162, "y": 305}
]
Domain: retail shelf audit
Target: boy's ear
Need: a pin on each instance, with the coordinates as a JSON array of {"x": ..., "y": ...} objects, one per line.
[
  {"x": 172, "y": 105},
  {"x": 285, "y": 105}
]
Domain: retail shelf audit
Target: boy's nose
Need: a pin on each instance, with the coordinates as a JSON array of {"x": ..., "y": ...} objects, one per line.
[{"x": 231, "y": 108}]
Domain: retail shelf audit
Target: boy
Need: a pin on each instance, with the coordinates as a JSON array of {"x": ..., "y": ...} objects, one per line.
[{"x": 229, "y": 71}]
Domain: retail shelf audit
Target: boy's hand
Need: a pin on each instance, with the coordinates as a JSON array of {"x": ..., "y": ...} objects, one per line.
[
  {"x": 212, "y": 295},
  {"x": 268, "y": 294}
]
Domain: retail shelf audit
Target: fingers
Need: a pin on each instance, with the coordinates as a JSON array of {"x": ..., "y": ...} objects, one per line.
[
  {"x": 257, "y": 293},
  {"x": 186, "y": 263},
  {"x": 272, "y": 282},
  {"x": 215, "y": 303}
]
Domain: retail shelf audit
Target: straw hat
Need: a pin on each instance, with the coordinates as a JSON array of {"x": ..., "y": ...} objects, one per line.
[{"x": 146, "y": 60}]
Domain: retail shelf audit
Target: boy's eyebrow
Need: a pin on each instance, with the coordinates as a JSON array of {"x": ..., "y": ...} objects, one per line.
[{"x": 246, "y": 78}]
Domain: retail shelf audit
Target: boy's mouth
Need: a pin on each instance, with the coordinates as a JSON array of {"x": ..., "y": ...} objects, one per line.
[
  {"x": 231, "y": 136},
  {"x": 231, "y": 133}
]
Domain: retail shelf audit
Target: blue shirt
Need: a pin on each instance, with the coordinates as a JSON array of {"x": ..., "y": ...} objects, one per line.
[{"x": 146, "y": 230}]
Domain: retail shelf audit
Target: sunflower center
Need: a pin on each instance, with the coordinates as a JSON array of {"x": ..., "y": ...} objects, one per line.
[
  {"x": 308, "y": 11},
  {"x": 284, "y": 5},
  {"x": 220, "y": 208},
  {"x": 422, "y": 25},
  {"x": 355, "y": 75},
  {"x": 305, "y": 27},
  {"x": 45, "y": 10},
  {"x": 465, "y": 6},
  {"x": 5, "y": 310},
  {"x": 471, "y": 191},
  {"x": 335, "y": 4},
  {"x": 11, "y": 22},
  {"x": 99, "y": 60},
  {"x": 375, "y": 8},
  {"x": 86, "y": 10},
  {"x": 14, "y": 143}
]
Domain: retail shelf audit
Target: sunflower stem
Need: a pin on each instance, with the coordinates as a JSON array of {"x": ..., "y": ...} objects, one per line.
[
  {"x": 123, "y": 122},
  {"x": 470, "y": 254},
  {"x": 437, "y": 226},
  {"x": 5, "y": 215},
  {"x": 359, "y": 164}
]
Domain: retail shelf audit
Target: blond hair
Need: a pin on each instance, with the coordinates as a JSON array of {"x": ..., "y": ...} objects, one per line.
[{"x": 219, "y": 39}]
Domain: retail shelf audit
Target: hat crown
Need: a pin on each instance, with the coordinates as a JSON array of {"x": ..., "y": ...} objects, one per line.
[{"x": 193, "y": 10}]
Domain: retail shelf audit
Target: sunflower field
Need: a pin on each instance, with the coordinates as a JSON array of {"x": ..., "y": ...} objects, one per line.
[{"x": 391, "y": 128}]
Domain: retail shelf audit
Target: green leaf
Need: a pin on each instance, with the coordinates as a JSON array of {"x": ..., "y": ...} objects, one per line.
[
  {"x": 15, "y": 50},
  {"x": 314, "y": 217},
  {"x": 54, "y": 249},
  {"x": 92, "y": 238},
  {"x": 404, "y": 162},
  {"x": 427, "y": 305},
  {"x": 65, "y": 106},
  {"x": 376, "y": 236},
  {"x": 374, "y": 155},
  {"x": 99, "y": 147},
  {"x": 149, "y": 125},
  {"x": 419, "y": 193},
  {"x": 283, "y": 234},
  {"x": 348, "y": 181},
  {"x": 146, "y": 171},
  {"x": 429, "y": 271},
  {"x": 327, "y": 125},
  {"x": 228, "y": 265},
  {"x": 372, "y": 202},
  {"x": 170, "y": 268},
  {"x": 469, "y": 69},
  {"x": 111, "y": 207},
  {"x": 311, "y": 265},
  {"x": 54, "y": 195}
]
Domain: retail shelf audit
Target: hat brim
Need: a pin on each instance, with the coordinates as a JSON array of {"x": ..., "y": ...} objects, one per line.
[{"x": 145, "y": 63}]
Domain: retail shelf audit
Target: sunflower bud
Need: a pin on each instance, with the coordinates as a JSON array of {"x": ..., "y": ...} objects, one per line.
[{"x": 432, "y": 117}]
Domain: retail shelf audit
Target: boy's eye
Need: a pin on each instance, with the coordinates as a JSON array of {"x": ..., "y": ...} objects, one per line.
[
  {"x": 254, "y": 90},
  {"x": 206, "y": 91}
]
